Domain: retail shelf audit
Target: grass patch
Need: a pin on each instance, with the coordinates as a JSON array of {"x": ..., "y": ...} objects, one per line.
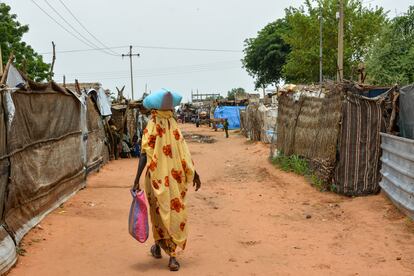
[
  {"x": 292, "y": 164},
  {"x": 300, "y": 166},
  {"x": 317, "y": 182},
  {"x": 21, "y": 251}
]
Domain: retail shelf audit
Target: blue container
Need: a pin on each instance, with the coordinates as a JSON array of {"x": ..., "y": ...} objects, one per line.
[{"x": 154, "y": 100}]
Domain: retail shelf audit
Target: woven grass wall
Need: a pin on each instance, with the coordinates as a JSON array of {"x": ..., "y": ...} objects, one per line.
[{"x": 309, "y": 128}]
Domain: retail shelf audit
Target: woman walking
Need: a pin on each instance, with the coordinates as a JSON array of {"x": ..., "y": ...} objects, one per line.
[{"x": 169, "y": 170}]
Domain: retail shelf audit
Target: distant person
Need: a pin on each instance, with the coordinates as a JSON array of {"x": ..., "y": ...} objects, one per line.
[
  {"x": 126, "y": 147},
  {"x": 226, "y": 127},
  {"x": 115, "y": 139},
  {"x": 168, "y": 171},
  {"x": 197, "y": 121},
  {"x": 215, "y": 124},
  {"x": 135, "y": 149}
]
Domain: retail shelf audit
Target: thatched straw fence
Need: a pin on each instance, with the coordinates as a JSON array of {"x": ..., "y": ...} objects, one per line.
[
  {"x": 258, "y": 122},
  {"x": 339, "y": 135},
  {"x": 251, "y": 122},
  {"x": 309, "y": 128}
]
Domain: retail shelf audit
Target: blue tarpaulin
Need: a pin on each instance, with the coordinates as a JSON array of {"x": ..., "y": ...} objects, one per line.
[
  {"x": 375, "y": 92},
  {"x": 231, "y": 113}
]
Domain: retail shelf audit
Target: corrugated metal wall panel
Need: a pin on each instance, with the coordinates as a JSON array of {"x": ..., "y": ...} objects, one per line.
[{"x": 398, "y": 171}]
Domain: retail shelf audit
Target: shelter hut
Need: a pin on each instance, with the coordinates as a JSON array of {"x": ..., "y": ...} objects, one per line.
[
  {"x": 259, "y": 121},
  {"x": 41, "y": 157},
  {"x": 127, "y": 121},
  {"x": 98, "y": 145},
  {"x": 49, "y": 140},
  {"x": 96, "y": 131},
  {"x": 339, "y": 134}
]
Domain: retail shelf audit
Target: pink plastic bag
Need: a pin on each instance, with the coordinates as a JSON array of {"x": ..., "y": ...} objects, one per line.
[{"x": 138, "y": 217}]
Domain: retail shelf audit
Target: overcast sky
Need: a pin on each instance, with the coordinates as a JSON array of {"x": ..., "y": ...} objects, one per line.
[{"x": 200, "y": 24}]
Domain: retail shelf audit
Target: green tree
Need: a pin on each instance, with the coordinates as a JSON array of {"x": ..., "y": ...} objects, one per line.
[
  {"x": 392, "y": 59},
  {"x": 362, "y": 28},
  {"x": 236, "y": 92},
  {"x": 265, "y": 55},
  {"x": 11, "y": 34}
]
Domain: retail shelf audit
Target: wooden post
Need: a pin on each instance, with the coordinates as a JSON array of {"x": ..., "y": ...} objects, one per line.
[
  {"x": 395, "y": 96},
  {"x": 120, "y": 93},
  {"x": 1, "y": 63},
  {"x": 77, "y": 87},
  {"x": 9, "y": 62},
  {"x": 320, "y": 50},
  {"x": 340, "y": 75},
  {"x": 53, "y": 61},
  {"x": 64, "y": 81}
]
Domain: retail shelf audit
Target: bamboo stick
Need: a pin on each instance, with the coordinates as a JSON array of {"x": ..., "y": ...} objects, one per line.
[{"x": 9, "y": 62}]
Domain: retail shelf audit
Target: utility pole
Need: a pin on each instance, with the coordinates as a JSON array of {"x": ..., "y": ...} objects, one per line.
[
  {"x": 321, "y": 50},
  {"x": 340, "y": 75},
  {"x": 130, "y": 55}
]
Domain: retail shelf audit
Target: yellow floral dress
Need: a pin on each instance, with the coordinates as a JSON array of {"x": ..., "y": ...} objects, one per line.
[{"x": 169, "y": 171}]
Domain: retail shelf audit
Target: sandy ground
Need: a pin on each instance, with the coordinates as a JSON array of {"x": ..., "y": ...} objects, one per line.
[{"x": 249, "y": 218}]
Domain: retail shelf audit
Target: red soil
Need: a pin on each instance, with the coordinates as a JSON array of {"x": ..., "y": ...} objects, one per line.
[{"x": 249, "y": 218}]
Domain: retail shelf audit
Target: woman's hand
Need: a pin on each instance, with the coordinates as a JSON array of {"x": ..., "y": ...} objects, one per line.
[
  {"x": 136, "y": 187},
  {"x": 196, "y": 181},
  {"x": 141, "y": 167}
]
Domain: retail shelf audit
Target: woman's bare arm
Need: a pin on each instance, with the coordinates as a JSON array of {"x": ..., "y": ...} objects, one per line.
[{"x": 141, "y": 167}]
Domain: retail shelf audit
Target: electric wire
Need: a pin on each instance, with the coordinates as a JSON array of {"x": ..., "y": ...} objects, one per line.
[
  {"x": 63, "y": 27},
  {"x": 60, "y": 25},
  {"x": 149, "y": 47},
  {"x": 75, "y": 30},
  {"x": 157, "y": 70},
  {"x": 167, "y": 73},
  {"x": 86, "y": 29}
]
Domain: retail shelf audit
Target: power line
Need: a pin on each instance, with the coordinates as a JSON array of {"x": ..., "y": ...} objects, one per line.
[
  {"x": 63, "y": 27},
  {"x": 157, "y": 69},
  {"x": 60, "y": 25},
  {"x": 171, "y": 73},
  {"x": 175, "y": 73},
  {"x": 148, "y": 47},
  {"x": 187, "y": 49},
  {"x": 74, "y": 29},
  {"x": 83, "y": 26}
]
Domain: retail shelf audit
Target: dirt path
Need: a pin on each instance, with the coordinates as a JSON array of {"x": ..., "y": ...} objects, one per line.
[{"x": 248, "y": 219}]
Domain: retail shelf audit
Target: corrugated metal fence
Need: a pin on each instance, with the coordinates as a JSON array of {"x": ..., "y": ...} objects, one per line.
[{"x": 398, "y": 171}]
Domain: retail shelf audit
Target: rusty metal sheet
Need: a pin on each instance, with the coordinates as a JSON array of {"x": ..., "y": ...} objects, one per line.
[{"x": 398, "y": 171}]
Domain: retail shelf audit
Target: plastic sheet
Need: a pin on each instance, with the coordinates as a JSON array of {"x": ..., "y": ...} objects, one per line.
[
  {"x": 102, "y": 101},
  {"x": 14, "y": 79},
  {"x": 11, "y": 109},
  {"x": 231, "y": 113}
]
